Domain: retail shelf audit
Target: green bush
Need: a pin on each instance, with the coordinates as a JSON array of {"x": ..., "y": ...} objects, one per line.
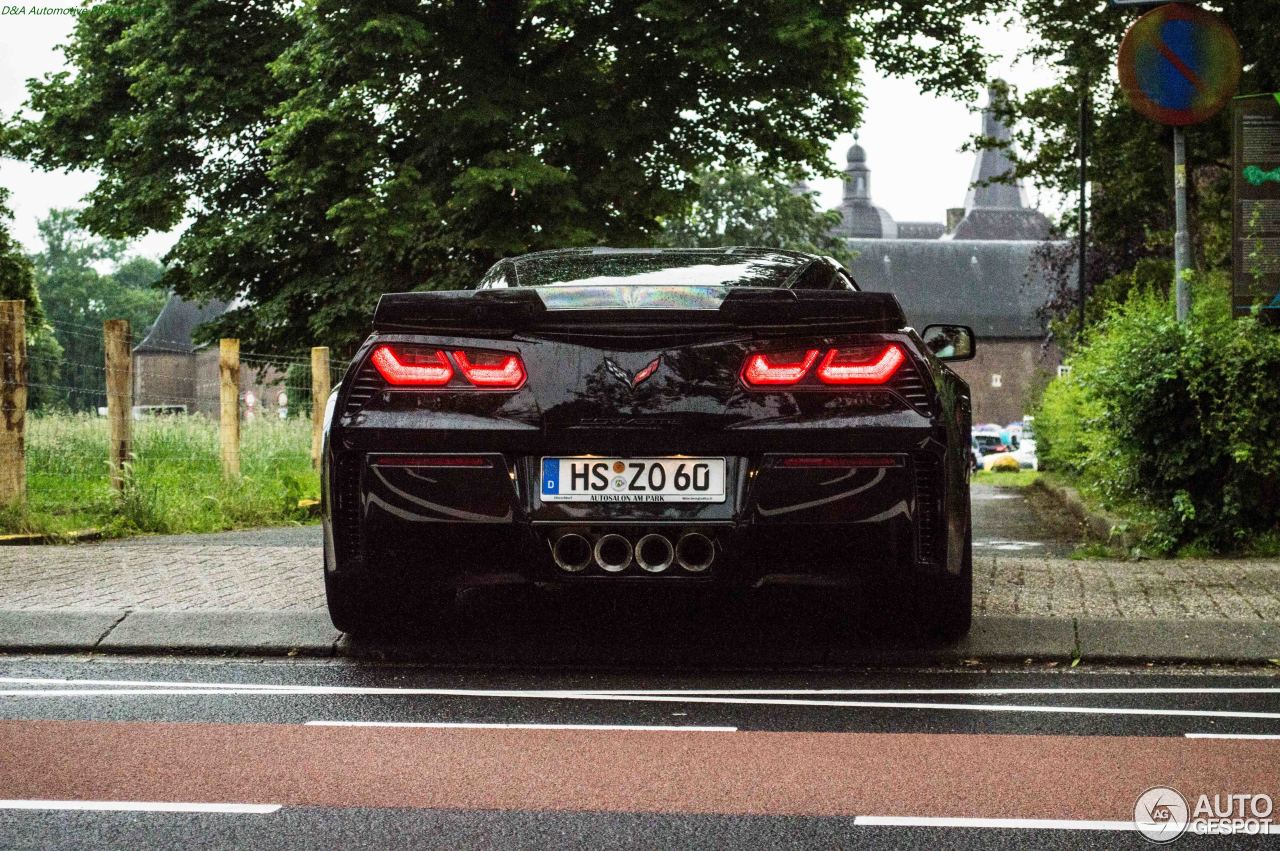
[{"x": 1180, "y": 421}]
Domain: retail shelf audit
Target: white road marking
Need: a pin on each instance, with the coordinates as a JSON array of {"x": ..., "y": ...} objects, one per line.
[
  {"x": 1014, "y": 823},
  {"x": 468, "y": 725},
  {"x": 139, "y": 806},
  {"x": 198, "y": 687},
  {"x": 746, "y": 697},
  {"x": 1231, "y": 736},
  {"x": 1006, "y": 823},
  {"x": 660, "y": 698}
]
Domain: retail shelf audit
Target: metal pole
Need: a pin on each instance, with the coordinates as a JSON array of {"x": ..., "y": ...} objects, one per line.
[
  {"x": 1084, "y": 182},
  {"x": 1181, "y": 239}
]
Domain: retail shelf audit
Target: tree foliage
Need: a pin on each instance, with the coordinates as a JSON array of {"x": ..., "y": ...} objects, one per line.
[
  {"x": 17, "y": 277},
  {"x": 1130, "y": 157},
  {"x": 78, "y": 299},
  {"x": 323, "y": 153},
  {"x": 736, "y": 206}
]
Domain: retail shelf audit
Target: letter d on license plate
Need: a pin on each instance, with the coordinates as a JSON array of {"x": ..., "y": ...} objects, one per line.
[{"x": 633, "y": 480}]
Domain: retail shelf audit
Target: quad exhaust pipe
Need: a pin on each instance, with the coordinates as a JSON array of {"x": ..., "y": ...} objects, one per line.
[
  {"x": 572, "y": 553},
  {"x": 612, "y": 552},
  {"x": 695, "y": 552},
  {"x": 654, "y": 553}
]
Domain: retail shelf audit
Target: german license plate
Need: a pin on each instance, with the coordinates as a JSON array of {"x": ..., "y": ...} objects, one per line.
[{"x": 633, "y": 480}]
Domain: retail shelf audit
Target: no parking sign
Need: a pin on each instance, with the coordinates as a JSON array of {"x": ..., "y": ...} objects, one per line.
[{"x": 1179, "y": 64}]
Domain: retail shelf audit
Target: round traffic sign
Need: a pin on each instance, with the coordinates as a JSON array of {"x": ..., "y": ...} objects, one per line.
[{"x": 1179, "y": 64}]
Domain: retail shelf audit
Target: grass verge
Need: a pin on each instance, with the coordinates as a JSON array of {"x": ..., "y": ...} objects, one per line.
[
  {"x": 174, "y": 484},
  {"x": 1005, "y": 478}
]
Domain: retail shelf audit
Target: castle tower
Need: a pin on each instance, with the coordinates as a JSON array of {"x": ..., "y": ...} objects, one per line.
[
  {"x": 861, "y": 218},
  {"x": 997, "y": 210}
]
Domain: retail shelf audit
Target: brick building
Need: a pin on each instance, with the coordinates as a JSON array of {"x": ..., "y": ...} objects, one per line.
[
  {"x": 977, "y": 269},
  {"x": 171, "y": 374}
]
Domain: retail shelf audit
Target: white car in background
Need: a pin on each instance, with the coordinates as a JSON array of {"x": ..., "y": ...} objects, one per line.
[{"x": 1025, "y": 444}]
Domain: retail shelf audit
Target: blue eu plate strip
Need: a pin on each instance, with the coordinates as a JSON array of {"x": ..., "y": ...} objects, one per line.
[{"x": 550, "y": 476}]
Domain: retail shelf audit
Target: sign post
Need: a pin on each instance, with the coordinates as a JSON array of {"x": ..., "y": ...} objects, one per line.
[{"x": 1180, "y": 65}]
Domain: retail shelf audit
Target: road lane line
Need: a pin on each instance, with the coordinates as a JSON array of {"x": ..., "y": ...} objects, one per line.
[
  {"x": 139, "y": 806},
  {"x": 1005, "y": 823},
  {"x": 662, "y": 698},
  {"x": 683, "y": 698},
  {"x": 977, "y": 692},
  {"x": 1262, "y": 736},
  {"x": 931, "y": 706},
  {"x": 472, "y": 725},
  {"x": 373, "y": 690}
]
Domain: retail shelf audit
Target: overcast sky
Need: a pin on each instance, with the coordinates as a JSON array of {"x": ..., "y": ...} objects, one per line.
[{"x": 912, "y": 139}]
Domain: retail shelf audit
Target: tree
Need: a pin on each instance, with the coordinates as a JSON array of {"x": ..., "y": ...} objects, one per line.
[
  {"x": 736, "y": 206},
  {"x": 17, "y": 277},
  {"x": 327, "y": 152},
  {"x": 1130, "y": 158},
  {"x": 18, "y": 282},
  {"x": 78, "y": 299}
]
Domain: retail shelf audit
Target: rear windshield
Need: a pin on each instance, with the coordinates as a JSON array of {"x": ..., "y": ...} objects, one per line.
[{"x": 650, "y": 268}]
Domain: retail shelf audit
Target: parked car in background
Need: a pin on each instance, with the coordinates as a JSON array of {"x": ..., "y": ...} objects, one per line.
[
  {"x": 1025, "y": 451},
  {"x": 982, "y": 446}
]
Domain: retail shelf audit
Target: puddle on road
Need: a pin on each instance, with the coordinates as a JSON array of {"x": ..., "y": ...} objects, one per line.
[{"x": 1008, "y": 546}]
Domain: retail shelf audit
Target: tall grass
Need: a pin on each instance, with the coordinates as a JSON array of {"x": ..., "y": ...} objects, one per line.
[{"x": 175, "y": 482}]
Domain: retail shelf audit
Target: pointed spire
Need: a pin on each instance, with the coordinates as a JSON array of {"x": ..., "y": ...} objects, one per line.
[{"x": 994, "y": 162}]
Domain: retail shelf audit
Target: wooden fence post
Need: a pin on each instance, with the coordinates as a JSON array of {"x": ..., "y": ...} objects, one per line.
[
  {"x": 319, "y": 396},
  {"x": 229, "y": 396},
  {"x": 13, "y": 403},
  {"x": 119, "y": 360}
]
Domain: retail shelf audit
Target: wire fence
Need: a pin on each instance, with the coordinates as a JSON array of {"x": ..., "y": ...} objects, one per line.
[{"x": 176, "y": 456}]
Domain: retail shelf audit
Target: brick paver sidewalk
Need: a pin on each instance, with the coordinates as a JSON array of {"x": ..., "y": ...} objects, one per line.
[
  {"x": 161, "y": 576},
  {"x": 287, "y": 578}
]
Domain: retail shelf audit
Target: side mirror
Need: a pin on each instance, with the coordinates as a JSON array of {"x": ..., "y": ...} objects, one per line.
[{"x": 950, "y": 342}]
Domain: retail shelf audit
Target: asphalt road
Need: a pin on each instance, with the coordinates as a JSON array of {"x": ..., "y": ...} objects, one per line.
[{"x": 324, "y": 754}]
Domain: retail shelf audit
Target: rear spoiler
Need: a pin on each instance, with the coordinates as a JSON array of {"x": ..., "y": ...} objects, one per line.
[{"x": 507, "y": 311}]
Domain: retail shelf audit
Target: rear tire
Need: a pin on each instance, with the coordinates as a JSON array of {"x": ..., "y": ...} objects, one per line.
[
  {"x": 359, "y": 610},
  {"x": 384, "y": 607},
  {"x": 951, "y": 614}
]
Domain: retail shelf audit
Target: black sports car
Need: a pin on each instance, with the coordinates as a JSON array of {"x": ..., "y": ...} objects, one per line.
[{"x": 677, "y": 417}]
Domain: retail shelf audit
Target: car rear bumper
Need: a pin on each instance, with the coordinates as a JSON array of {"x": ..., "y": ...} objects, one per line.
[{"x": 474, "y": 519}]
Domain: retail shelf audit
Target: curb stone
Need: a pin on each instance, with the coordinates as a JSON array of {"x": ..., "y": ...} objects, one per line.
[
  {"x": 51, "y": 538},
  {"x": 993, "y": 639}
]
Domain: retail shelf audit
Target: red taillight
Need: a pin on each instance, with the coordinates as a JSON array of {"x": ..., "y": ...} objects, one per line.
[
  {"x": 860, "y": 365},
  {"x": 778, "y": 368},
  {"x": 491, "y": 369},
  {"x": 412, "y": 367}
]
